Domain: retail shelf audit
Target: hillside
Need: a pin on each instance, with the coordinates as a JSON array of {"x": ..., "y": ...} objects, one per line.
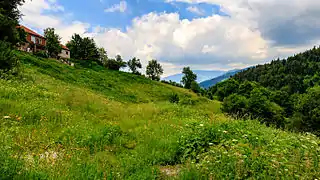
[
  {"x": 285, "y": 93},
  {"x": 86, "y": 122},
  {"x": 209, "y": 83}
]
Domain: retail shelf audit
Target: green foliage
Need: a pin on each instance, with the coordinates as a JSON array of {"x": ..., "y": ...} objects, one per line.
[
  {"x": 188, "y": 78},
  {"x": 9, "y": 64},
  {"x": 52, "y": 42},
  {"x": 246, "y": 150},
  {"x": 174, "y": 98},
  {"x": 307, "y": 110},
  {"x": 154, "y": 70},
  {"x": 115, "y": 64},
  {"x": 41, "y": 54},
  {"x": 172, "y": 83},
  {"x": 134, "y": 64},
  {"x": 87, "y": 122},
  {"x": 9, "y": 17},
  {"x": 277, "y": 91},
  {"x": 83, "y": 48},
  {"x": 236, "y": 105},
  {"x": 195, "y": 87}
]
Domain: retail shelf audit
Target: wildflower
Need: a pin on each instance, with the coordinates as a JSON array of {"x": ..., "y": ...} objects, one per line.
[
  {"x": 6, "y": 117},
  {"x": 54, "y": 155},
  {"x": 42, "y": 156},
  {"x": 225, "y": 132},
  {"x": 201, "y": 125}
]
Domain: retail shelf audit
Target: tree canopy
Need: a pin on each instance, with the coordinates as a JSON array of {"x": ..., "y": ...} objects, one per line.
[
  {"x": 188, "y": 78},
  {"x": 9, "y": 18},
  {"x": 283, "y": 89},
  {"x": 53, "y": 42},
  {"x": 134, "y": 64},
  {"x": 83, "y": 48},
  {"x": 154, "y": 70}
]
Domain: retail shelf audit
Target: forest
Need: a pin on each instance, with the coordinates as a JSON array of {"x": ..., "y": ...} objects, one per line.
[{"x": 284, "y": 93}]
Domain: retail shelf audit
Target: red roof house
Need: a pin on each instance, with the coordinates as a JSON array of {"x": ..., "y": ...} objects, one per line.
[{"x": 35, "y": 41}]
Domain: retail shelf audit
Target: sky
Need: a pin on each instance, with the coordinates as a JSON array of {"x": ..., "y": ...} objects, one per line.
[{"x": 202, "y": 34}]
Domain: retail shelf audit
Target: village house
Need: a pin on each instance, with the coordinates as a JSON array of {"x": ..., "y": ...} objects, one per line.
[
  {"x": 35, "y": 42},
  {"x": 65, "y": 52}
]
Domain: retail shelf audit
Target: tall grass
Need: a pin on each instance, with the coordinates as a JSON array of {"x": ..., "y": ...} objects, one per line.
[{"x": 63, "y": 122}]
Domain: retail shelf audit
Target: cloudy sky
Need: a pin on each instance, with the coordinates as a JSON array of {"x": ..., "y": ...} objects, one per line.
[{"x": 202, "y": 34}]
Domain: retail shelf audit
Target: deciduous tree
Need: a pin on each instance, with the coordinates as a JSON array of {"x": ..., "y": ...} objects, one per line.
[{"x": 154, "y": 70}]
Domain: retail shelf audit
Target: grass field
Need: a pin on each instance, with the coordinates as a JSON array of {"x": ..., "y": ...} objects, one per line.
[{"x": 62, "y": 122}]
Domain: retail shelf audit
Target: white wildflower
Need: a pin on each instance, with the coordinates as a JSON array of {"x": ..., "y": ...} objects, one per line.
[
  {"x": 54, "y": 155},
  {"x": 201, "y": 125},
  {"x": 6, "y": 117},
  {"x": 225, "y": 132}
]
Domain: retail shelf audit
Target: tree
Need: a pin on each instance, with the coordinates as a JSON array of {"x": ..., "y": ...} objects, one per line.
[
  {"x": 154, "y": 70},
  {"x": 188, "y": 77},
  {"x": 53, "y": 42},
  {"x": 115, "y": 64},
  {"x": 75, "y": 46},
  {"x": 103, "y": 57},
  {"x": 134, "y": 64},
  {"x": 9, "y": 17},
  {"x": 9, "y": 63},
  {"x": 89, "y": 49},
  {"x": 83, "y": 48},
  {"x": 195, "y": 87}
]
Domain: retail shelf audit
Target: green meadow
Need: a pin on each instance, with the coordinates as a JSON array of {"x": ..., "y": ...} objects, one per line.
[{"x": 86, "y": 122}]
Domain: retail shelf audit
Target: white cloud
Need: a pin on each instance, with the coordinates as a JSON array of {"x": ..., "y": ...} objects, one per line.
[
  {"x": 255, "y": 31},
  {"x": 121, "y": 7},
  {"x": 39, "y": 14},
  {"x": 195, "y": 10}
]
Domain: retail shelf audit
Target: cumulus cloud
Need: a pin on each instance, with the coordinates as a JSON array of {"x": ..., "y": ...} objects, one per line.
[
  {"x": 255, "y": 31},
  {"x": 41, "y": 14},
  {"x": 121, "y": 7},
  {"x": 195, "y": 10}
]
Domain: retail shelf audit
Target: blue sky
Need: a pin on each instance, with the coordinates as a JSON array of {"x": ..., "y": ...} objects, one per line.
[
  {"x": 202, "y": 34},
  {"x": 94, "y": 11}
]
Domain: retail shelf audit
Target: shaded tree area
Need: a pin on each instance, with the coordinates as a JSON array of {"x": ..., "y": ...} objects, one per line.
[
  {"x": 9, "y": 36},
  {"x": 284, "y": 93}
]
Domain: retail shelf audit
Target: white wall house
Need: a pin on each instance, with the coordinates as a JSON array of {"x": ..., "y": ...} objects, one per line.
[{"x": 65, "y": 53}]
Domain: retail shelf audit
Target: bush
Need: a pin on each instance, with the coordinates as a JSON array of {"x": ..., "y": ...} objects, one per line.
[
  {"x": 9, "y": 64},
  {"x": 174, "y": 98},
  {"x": 195, "y": 87},
  {"x": 236, "y": 105},
  {"x": 41, "y": 54}
]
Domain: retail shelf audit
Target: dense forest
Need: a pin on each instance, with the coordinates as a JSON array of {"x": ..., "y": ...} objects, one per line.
[{"x": 284, "y": 93}]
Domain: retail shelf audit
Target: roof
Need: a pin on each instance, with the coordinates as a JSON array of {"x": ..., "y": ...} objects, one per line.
[
  {"x": 29, "y": 31},
  {"x": 64, "y": 47}
]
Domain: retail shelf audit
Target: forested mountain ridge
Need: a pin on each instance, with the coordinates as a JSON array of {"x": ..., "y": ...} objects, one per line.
[
  {"x": 285, "y": 92},
  {"x": 296, "y": 73}
]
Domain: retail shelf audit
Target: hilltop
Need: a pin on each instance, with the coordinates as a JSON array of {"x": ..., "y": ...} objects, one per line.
[{"x": 87, "y": 122}]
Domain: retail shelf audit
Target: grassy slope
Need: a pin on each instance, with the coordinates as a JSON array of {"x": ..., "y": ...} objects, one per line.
[{"x": 76, "y": 123}]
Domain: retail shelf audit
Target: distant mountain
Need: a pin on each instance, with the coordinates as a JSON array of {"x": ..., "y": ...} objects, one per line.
[
  {"x": 202, "y": 75},
  {"x": 208, "y": 83}
]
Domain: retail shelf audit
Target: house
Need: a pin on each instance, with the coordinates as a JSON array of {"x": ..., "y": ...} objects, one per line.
[
  {"x": 35, "y": 42},
  {"x": 65, "y": 52}
]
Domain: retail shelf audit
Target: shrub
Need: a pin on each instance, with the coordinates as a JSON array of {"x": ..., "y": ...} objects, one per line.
[
  {"x": 9, "y": 64},
  {"x": 41, "y": 54},
  {"x": 195, "y": 87},
  {"x": 174, "y": 98},
  {"x": 236, "y": 105}
]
